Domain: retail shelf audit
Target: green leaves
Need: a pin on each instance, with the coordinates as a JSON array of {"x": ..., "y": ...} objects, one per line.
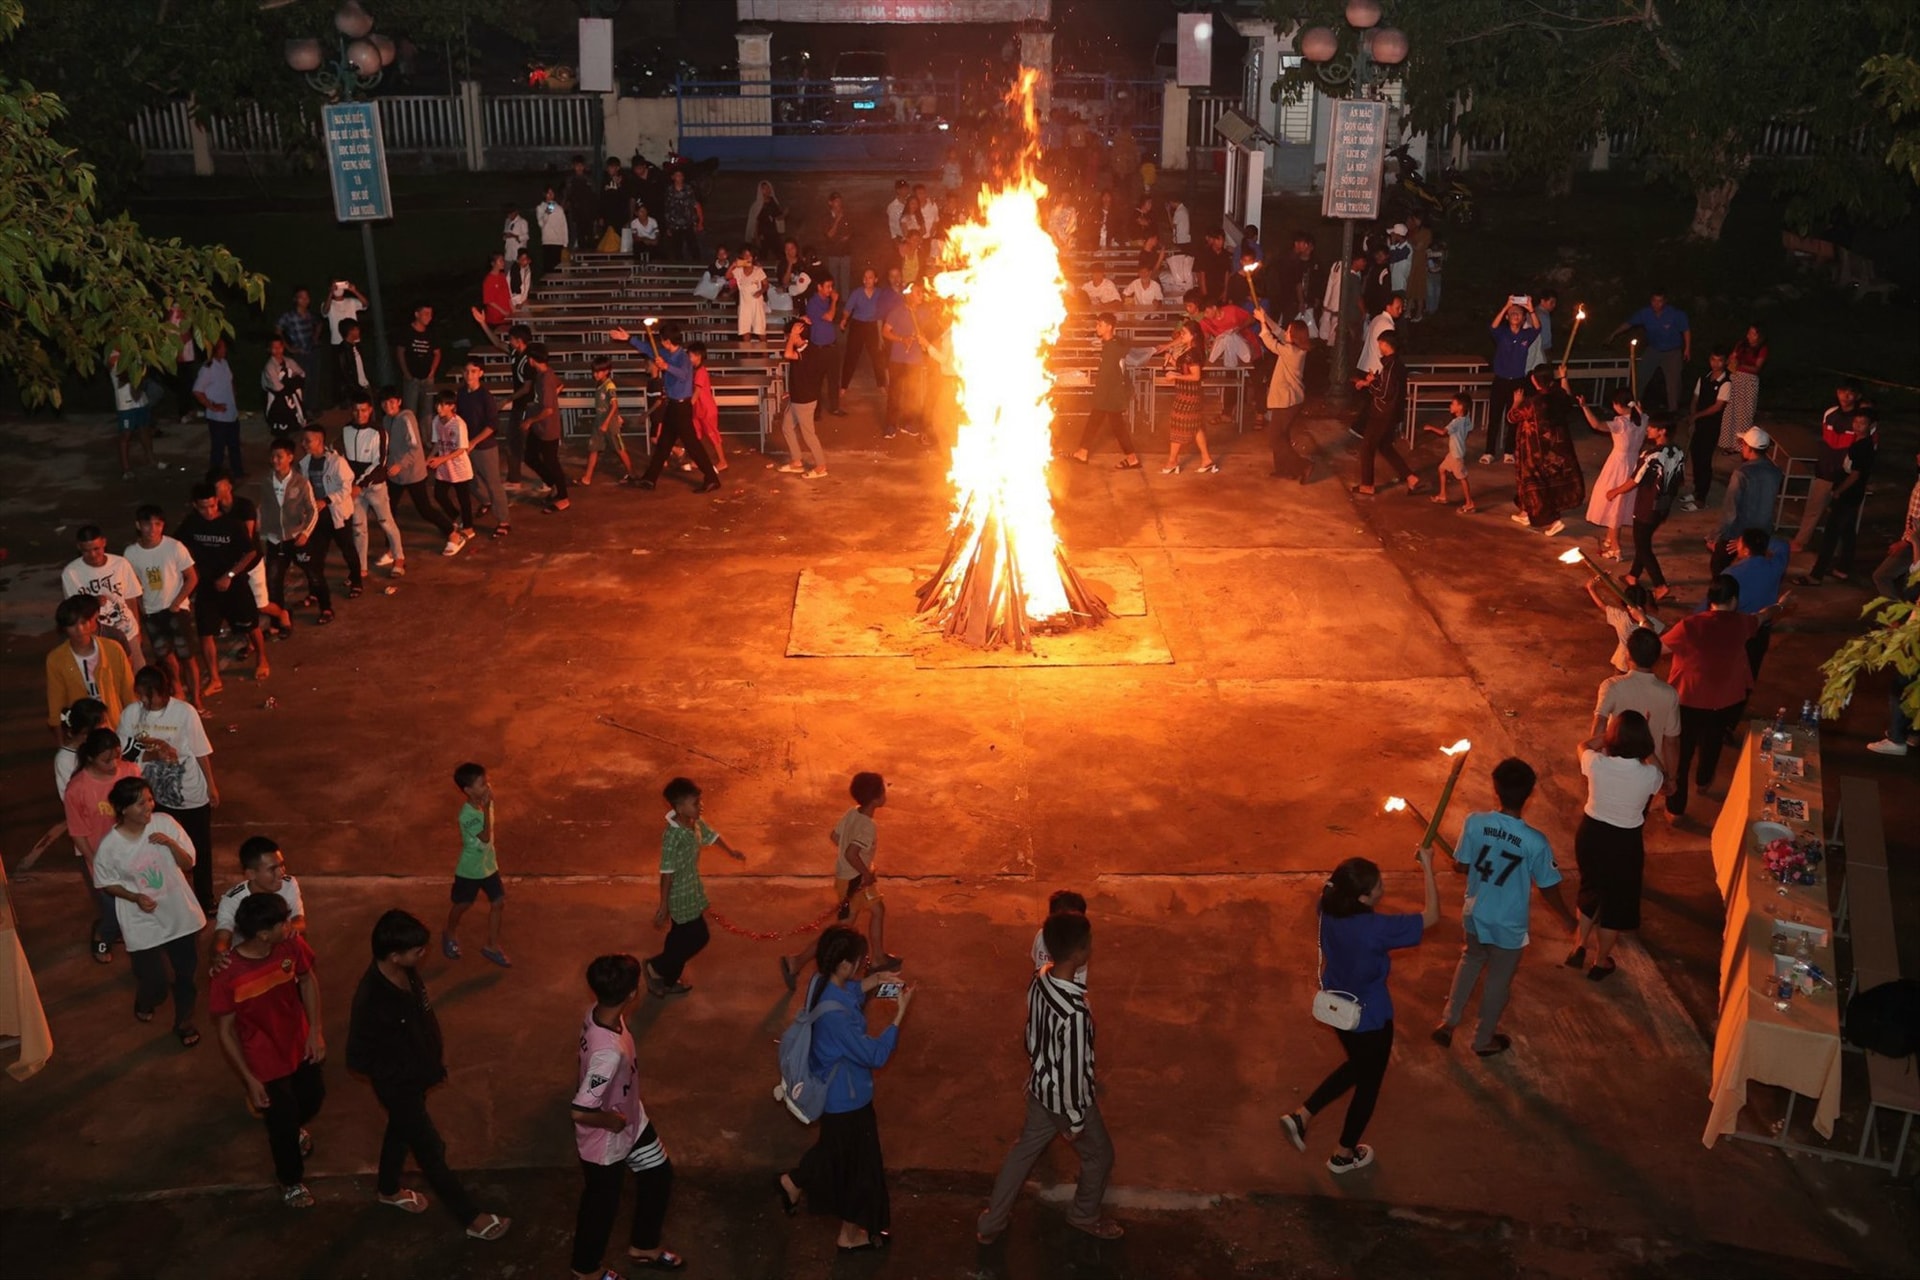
[
  {"x": 74, "y": 286},
  {"x": 1894, "y": 642}
]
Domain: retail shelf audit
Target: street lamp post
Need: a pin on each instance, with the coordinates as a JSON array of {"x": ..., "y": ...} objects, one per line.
[
  {"x": 1377, "y": 45},
  {"x": 361, "y": 57}
]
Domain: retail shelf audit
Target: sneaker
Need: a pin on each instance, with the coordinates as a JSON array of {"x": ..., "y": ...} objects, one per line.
[
  {"x": 1496, "y": 1046},
  {"x": 454, "y": 543},
  {"x": 1442, "y": 1035},
  {"x": 1340, "y": 1162},
  {"x": 1295, "y": 1131},
  {"x": 1688, "y": 504},
  {"x": 1558, "y": 526},
  {"x": 399, "y": 569},
  {"x": 1486, "y": 459},
  {"x": 1508, "y": 459},
  {"x": 1099, "y": 1228},
  {"x": 1888, "y": 747},
  {"x": 385, "y": 560},
  {"x": 126, "y": 475},
  {"x": 791, "y": 469},
  {"x": 1518, "y": 517}
]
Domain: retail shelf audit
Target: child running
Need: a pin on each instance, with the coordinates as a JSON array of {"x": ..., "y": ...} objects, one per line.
[
  {"x": 478, "y": 870},
  {"x": 1455, "y": 463},
  {"x": 706, "y": 410},
  {"x": 606, "y": 435},
  {"x": 858, "y": 841}
]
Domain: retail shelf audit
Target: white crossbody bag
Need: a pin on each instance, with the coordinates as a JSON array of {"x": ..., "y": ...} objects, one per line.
[{"x": 1338, "y": 1009}]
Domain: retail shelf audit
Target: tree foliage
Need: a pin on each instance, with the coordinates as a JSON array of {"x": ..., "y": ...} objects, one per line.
[
  {"x": 1895, "y": 82},
  {"x": 1692, "y": 87},
  {"x": 74, "y": 284},
  {"x": 1893, "y": 643}
]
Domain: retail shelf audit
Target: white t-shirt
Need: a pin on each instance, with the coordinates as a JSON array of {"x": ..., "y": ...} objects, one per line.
[
  {"x": 645, "y": 229},
  {"x": 177, "y": 784},
  {"x": 161, "y": 571},
  {"x": 1101, "y": 291},
  {"x": 1618, "y": 789},
  {"x": 66, "y": 761},
  {"x": 1370, "y": 345},
  {"x": 139, "y": 865},
  {"x": 450, "y": 433},
  {"x": 227, "y": 910},
  {"x": 513, "y": 237},
  {"x": 1144, "y": 293},
  {"x": 1041, "y": 958},
  {"x": 114, "y": 584},
  {"x": 338, "y": 311}
]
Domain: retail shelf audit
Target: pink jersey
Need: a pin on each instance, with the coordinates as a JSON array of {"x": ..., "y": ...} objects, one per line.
[{"x": 607, "y": 1084}]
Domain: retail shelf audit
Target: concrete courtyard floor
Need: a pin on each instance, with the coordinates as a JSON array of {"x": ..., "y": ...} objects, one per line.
[{"x": 1322, "y": 649}]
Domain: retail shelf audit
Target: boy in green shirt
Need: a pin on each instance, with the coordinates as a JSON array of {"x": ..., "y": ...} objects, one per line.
[
  {"x": 608, "y": 421},
  {"x": 683, "y": 899},
  {"x": 478, "y": 870}
]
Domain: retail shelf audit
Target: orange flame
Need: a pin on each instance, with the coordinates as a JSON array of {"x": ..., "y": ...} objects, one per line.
[
  {"x": 1007, "y": 310},
  {"x": 1457, "y": 748},
  {"x": 1394, "y": 804},
  {"x": 1570, "y": 557}
]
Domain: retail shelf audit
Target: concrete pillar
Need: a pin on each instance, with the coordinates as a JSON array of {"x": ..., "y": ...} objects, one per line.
[
  {"x": 1173, "y": 126},
  {"x": 1036, "y": 54},
  {"x": 756, "y": 77},
  {"x": 1602, "y": 153},
  {"x": 473, "y": 119}
]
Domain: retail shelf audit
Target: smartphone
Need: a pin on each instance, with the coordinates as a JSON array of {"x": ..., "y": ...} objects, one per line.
[{"x": 889, "y": 990}]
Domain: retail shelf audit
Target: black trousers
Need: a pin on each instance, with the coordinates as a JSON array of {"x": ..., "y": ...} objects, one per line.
[
  {"x": 1700, "y": 447},
  {"x": 1841, "y": 530},
  {"x": 550, "y": 258},
  {"x": 903, "y": 397},
  {"x": 417, "y": 492},
  {"x": 1289, "y": 459},
  {"x": 600, "y": 1205},
  {"x": 1377, "y": 440},
  {"x": 1703, "y": 731},
  {"x": 677, "y": 428},
  {"x": 863, "y": 340},
  {"x": 291, "y": 1102},
  {"x": 544, "y": 457},
  {"x": 312, "y": 559},
  {"x": 829, "y": 357},
  {"x": 684, "y": 942},
  {"x": 1101, "y": 421},
  {"x": 1646, "y": 563},
  {"x": 411, "y": 1129},
  {"x": 1362, "y": 1072},
  {"x": 198, "y": 824},
  {"x": 281, "y": 556},
  {"x": 150, "y": 977},
  {"x": 461, "y": 513},
  {"x": 1757, "y": 645},
  {"x": 1499, "y": 404}
]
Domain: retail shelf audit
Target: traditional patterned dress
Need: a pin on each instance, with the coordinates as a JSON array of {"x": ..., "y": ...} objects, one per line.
[{"x": 1548, "y": 480}]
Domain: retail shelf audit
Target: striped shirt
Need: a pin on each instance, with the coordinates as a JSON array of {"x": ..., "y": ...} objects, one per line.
[{"x": 1060, "y": 1047}]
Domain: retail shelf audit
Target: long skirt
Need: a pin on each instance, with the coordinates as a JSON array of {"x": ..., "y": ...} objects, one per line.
[
  {"x": 1548, "y": 480},
  {"x": 1611, "y": 861},
  {"x": 1743, "y": 403},
  {"x": 843, "y": 1174}
]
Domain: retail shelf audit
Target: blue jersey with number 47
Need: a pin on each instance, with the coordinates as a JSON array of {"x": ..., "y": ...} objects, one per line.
[{"x": 1505, "y": 858}]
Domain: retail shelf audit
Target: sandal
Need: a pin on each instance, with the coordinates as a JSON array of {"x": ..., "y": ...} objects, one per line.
[
  {"x": 1577, "y": 958},
  {"x": 665, "y": 1260},
  {"x": 189, "y": 1035},
  {"x": 355, "y": 591},
  {"x": 787, "y": 1206},
  {"x": 408, "y": 1201},
  {"x": 262, "y": 671},
  {"x": 1601, "y": 972},
  {"x": 448, "y": 947},
  {"x": 138, "y": 1016},
  {"x": 500, "y": 531},
  {"x": 306, "y": 1144},
  {"x": 103, "y": 951},
  {"x": 297, "y": 1196},
  {"x": 326, "y": 616},
  {"x": 496, "y": 955},
  {"x": 1362, "y": 490},
  {"x": 496, "y": 1226},
  {"x": 1124, "y": 465}
]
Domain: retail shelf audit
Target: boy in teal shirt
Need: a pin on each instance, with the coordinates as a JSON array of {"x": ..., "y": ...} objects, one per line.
[
  {"x": 1503, "y": 858},
  {"x": 478, "y": 870}
]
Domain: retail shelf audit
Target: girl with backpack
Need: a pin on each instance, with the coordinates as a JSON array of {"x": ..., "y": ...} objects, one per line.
[{"x": 844, "y": 1173}]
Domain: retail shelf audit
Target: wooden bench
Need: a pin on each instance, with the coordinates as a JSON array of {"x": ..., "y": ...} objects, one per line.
[{"x": 1865, "y": 917}]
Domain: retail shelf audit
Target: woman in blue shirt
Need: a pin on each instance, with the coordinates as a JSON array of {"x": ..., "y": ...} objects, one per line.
[
  {"x": 844, "y": 1174},
  {"x": 1354, "y": 945}
]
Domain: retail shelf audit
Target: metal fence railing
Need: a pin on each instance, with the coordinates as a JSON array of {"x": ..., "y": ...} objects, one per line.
[
  {"x": 424, "y": 123},
  {"x": 543, "y": 122}
]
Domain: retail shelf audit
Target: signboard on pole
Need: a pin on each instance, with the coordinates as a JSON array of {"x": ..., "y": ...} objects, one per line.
[
  {"x": 1355, "y": 155},
  {"x": 357, "y": 160}
]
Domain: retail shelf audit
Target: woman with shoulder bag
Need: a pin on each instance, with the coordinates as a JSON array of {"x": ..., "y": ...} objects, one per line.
[
  {"x": 1355, "y": 942},
  {"x": 844, "y": 1174}
]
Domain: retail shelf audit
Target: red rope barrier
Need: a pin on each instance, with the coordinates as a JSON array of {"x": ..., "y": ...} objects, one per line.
[{"x": 812, "y": 926}]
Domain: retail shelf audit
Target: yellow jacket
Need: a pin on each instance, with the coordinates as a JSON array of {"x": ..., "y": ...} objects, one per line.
[{"x": 66, "y": 685}]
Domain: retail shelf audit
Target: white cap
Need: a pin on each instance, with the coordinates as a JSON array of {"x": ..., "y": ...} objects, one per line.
[
  {"x": 1756, "y": 438},
  {"x": 1397, "y": 229}
]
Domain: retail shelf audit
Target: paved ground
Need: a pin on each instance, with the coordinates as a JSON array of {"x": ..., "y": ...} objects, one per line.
[{"x": 1322, "y": 651}]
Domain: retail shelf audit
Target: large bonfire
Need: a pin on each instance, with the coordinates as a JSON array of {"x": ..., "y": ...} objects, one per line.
[{"x": 1005, "y": 574}]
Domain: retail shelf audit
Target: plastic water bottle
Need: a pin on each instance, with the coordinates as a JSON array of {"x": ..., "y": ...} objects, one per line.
[
  {"x": 1780, "y": 725},
  {"x": 1806, "y": 714},
  {"x": 1813, "y": 712}
]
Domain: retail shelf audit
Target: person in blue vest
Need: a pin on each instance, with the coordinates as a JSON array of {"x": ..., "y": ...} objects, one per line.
[{"x": 1667, "y": 344}]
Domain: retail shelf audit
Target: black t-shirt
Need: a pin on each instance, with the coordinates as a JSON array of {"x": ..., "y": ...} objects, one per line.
[
  {"x": 416, "y": 353},
  {"x": 1288, "y": 276},
  {"x": 805, "y": 376},
  {"x": 216, "y": 545},
  {"x": 1210, "y": 267},
  {"x": 614, "y": 198},
  {"x": 1378, "y": 290}
]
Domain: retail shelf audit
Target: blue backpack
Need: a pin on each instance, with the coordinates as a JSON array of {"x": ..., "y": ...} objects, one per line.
[{"x": 805, "y": 1093}]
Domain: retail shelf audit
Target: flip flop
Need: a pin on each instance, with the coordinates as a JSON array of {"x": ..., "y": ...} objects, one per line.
[
  {"x": 496, "y": 955},
  {"x": 408, "y": 1201},
  {"x": 495, "y": 1227},
  {"x": 665, "y": 1260}
]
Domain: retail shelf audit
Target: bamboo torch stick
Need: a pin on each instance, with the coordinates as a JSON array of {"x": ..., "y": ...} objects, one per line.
[
  {"x": 1400, "y": 804},
  {"x": 1579, "y": 318},
  {"x": 1577, "y": 556},
  {"x": 1459, "y": 751}
]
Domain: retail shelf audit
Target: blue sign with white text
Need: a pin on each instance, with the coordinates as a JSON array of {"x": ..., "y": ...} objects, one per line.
[{"x": 357, "y": 159}]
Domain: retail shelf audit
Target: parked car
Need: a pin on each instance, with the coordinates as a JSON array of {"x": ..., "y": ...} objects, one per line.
[{"x": 859, "y": 79}]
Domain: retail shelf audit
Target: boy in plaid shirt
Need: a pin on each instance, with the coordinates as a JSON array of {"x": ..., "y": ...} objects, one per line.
[{"x": 683, "y": 899}]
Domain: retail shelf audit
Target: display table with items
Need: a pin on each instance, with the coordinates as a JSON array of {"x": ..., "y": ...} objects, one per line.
[{"x": 1779, "y": 1007}]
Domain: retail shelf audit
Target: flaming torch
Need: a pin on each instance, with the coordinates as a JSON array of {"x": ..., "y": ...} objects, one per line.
[
  {"x": 1458, "y": 751},
  {"x": 1579, "y": 318},
  {"x": 1633, "y": 364},
  {"x": 1577, "y": 556},
  {"x": 1005, "y": 574},
  {"x": 1400, "y": 804}
]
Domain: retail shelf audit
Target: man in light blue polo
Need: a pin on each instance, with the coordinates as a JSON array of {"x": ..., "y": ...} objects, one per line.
[
  {"x": 1666, "y": 345},
  {"x": 1504, "y": 859}
]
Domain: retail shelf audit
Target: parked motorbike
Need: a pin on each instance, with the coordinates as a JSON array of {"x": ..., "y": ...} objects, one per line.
[{"x": 1450, "y": 199}]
